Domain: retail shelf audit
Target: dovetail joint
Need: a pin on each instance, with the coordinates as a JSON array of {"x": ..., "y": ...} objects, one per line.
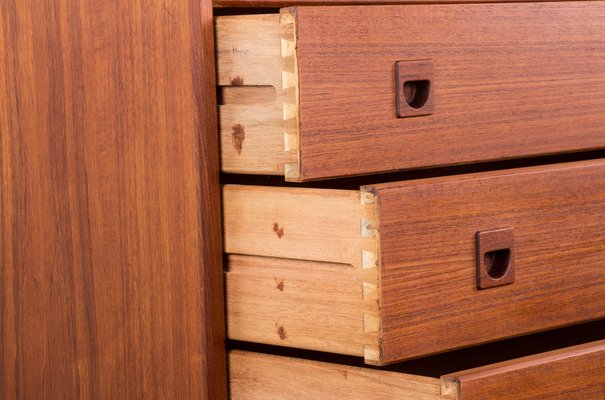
[
  {"x": 286, "y": 18},
  {"x": 370, "y": 279},
  {"x": 290, "y": 93},
  {"x": 290, "y": 141},
  {"x": 288, "y": 80},
  {"x": 367, "y": 198},
  {"x": 369, "y": 291},
  {"x": 450, "y": 387},
  {"x": 289, "y": 111},
  {"x": 367, "y": 228},
  {"x": 288, "y": 47},
  {"x": 371, "y": 354},
  {"x": 291, "y": 171},
  {"x": 371, "y": 323},
  {"x": 368, "y": 259}
]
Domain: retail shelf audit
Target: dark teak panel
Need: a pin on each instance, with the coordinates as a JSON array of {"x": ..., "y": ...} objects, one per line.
[
  {"x": 285, "y": 3},
  {"x": 573, "y": 373},
  {"x": 428, "y": 278},
  {"x": 110, "y": 278},
  {"x": 509, "y": 81}
]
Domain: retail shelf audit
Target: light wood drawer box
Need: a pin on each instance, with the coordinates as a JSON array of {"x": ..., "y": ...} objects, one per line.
[
  {"x": 391, "y": 272},
  {"x": 314, "y": 96},
  {"x": 576, "y": 372}
]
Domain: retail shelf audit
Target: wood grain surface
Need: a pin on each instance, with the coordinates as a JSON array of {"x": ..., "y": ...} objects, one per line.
[
  {"x": 321, "y": 293},
  {"x": 110, "y": 255},
  {"x": 286, "y": 3},
  {"x": 298, "y": 223},
  {"x": 424, "y": 233},
  {"x": 258, "y": 133},
  {"x": 429, "y": 297},
  {"x": 574, "y": 373},
  {"x": 510, "y": 80},
  {"x": 303, "y": 304},
  {"x": 254, "y": 376}
]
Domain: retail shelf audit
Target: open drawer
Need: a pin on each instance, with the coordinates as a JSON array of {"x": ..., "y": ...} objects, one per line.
[
  {"x": 576, "y": 372},
  {"x": 323, "y": 92},
  {"x": 401, "y": 270}
]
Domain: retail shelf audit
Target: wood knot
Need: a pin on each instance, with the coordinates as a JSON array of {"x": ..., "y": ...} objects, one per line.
[
  {"x": 280, "y": 286},
  {"x": 237, "y": 81},
  {"x": 237, "y": 137},
  {"x": 283, "y": 335},
  {"x": 278, "y": 231}
]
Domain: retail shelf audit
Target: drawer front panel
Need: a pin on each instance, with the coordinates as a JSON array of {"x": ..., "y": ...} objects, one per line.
[
  {"x": 504, "y": 81},
  {"x": 574, "y": 373},
  {"x": 428, "y": 255},
  {"x": 509, "y": 80}
]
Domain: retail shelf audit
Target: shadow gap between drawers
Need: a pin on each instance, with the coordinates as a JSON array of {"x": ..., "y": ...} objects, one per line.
[
  {"x": 356, "y": 182},
  {"x": 220, "y": 11}
]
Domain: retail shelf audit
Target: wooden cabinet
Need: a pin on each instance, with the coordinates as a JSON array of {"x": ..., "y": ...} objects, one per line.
[
  {"x": 111, "y": 283},
  {"x": 412, "y": 266}
]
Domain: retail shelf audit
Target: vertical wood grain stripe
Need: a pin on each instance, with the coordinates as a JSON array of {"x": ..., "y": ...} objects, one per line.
[{"x": 110, "y": 277}]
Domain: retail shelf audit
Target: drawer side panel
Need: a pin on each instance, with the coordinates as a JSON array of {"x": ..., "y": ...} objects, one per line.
[
  {"x": 258, "y": 376},
  {"x": 303, "y": 304},
  {"x": 304, "y": 224},
  {"x": 257, "y": 78}
]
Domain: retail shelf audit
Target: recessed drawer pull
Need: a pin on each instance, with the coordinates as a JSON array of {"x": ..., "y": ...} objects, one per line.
[
  {"x": 495, "y": 258},
  {"x": 415, "y": 88}
]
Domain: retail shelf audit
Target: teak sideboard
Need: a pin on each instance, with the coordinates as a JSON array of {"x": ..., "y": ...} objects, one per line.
[{"x": 302, "y": 199}]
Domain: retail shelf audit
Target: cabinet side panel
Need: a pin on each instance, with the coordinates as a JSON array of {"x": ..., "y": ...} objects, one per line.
[{"x": 110, "y": 277}]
